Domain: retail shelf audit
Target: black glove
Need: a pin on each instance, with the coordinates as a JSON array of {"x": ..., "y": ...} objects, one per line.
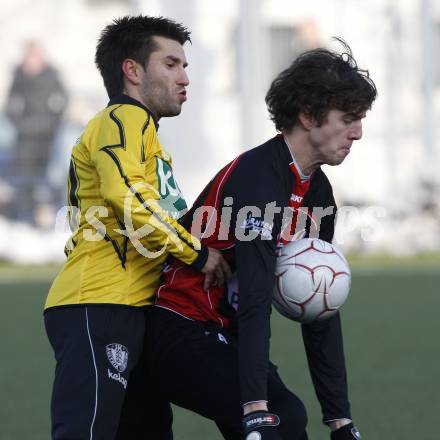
[
  {"x": 261, "y": 425},
  {"x": 346, "y": 432}
]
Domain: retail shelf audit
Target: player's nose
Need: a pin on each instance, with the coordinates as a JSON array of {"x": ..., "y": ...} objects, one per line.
[
  {"x": 356, "y": 130},
  {"x": 183, "y": 78}
]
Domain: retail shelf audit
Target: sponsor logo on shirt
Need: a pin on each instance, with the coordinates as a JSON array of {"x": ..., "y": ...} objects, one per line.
[
  {"x": 258, "y": 225},
  {"x": 296, "y": 199},
  {"x": 172, "y": 199}
]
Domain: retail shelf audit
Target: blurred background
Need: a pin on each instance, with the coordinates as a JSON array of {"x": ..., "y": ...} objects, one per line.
[{"x": 388, "y": 189}]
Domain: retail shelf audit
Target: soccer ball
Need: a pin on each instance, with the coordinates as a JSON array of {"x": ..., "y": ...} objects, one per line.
[{"x": 313, "y": 280}]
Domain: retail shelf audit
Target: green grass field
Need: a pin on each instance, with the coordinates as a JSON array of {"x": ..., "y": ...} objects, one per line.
[{"x": 393, "y": 356}]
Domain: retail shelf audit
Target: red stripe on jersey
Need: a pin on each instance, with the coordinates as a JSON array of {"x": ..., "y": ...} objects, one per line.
[
  {"x": 213, "y": 199},
  {"x": 295, "y": 203},
  {"x": 182, "y": 289}
]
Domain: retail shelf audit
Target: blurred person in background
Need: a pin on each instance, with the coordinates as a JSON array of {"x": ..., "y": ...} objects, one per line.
[
  {"x": 97, "y": 306},
  {"x": 35, "y": 104},
  {"x": 7, "y": 139}
]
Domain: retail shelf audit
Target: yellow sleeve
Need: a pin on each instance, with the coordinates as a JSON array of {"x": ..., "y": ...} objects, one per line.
[{"x": 119, "y": 158}]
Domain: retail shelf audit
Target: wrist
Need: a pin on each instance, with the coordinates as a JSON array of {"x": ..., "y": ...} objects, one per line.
[
  {"x": 261, "y": 405},
  {"x": 201, "y": 259},
  {"x": 336, "y": 424},
  {"x": 346, "y": 432}
]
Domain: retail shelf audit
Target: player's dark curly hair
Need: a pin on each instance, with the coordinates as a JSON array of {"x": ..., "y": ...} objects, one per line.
[
  {"x": 318, "y": 81},
  {"x": 131, "y": 37}
]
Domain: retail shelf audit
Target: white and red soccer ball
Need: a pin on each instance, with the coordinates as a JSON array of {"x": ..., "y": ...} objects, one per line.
[{"x": 313, "y": 280}]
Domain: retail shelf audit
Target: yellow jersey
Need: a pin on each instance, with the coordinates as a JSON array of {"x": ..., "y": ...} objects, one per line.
[{"x": 123, "y": 208}]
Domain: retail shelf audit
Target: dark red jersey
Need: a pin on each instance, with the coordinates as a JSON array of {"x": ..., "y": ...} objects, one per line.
[
  {"x": 211, "y": 221},
  {"x": 247, "y": 211}
]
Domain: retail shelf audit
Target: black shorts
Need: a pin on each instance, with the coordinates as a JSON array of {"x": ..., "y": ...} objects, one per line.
[
  {"x": 195, "y": 366},
  {"x": 98, "y": 352}
]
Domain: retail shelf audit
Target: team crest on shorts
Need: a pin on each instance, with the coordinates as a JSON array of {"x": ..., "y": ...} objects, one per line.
[{"x": 118, "y": 356}]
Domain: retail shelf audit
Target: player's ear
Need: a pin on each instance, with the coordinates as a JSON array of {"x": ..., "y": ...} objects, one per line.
[
  {"x": 132, "y": 71},
  {"x": 306, "y": 120}
]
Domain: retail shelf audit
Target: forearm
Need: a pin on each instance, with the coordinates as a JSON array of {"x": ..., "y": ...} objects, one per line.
[
  {"x": 149, "y": 227},
  {"x": 253, "y": 346},
  {"x": 325, "y": 355}
]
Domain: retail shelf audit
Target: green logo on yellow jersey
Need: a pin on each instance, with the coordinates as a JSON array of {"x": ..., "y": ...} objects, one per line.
[{"x": 172, "y": 199}]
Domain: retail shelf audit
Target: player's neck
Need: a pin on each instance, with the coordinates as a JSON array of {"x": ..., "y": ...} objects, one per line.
[
  {"x": 133, "y": 92},
  {"x": 302, "y": 150}
]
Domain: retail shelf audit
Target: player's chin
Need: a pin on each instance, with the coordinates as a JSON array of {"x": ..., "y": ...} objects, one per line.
[
  {"x": 336, "y": 161},
  {"x": 174, "y": 110},
  {"x": 341, "y": 156}
]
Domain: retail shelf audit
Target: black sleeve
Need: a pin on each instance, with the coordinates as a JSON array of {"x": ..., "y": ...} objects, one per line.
[
  {"x": 325, "y": 356},
  {"x": 324, "y": 343},
  {"x": 327, "y": 227},
  {"x": 254, "y": 186}
]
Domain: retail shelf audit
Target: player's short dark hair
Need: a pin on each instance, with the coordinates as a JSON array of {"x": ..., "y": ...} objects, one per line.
[
  {"x": 131, "y": 37},
  {"x": 316, "y": 82}
]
